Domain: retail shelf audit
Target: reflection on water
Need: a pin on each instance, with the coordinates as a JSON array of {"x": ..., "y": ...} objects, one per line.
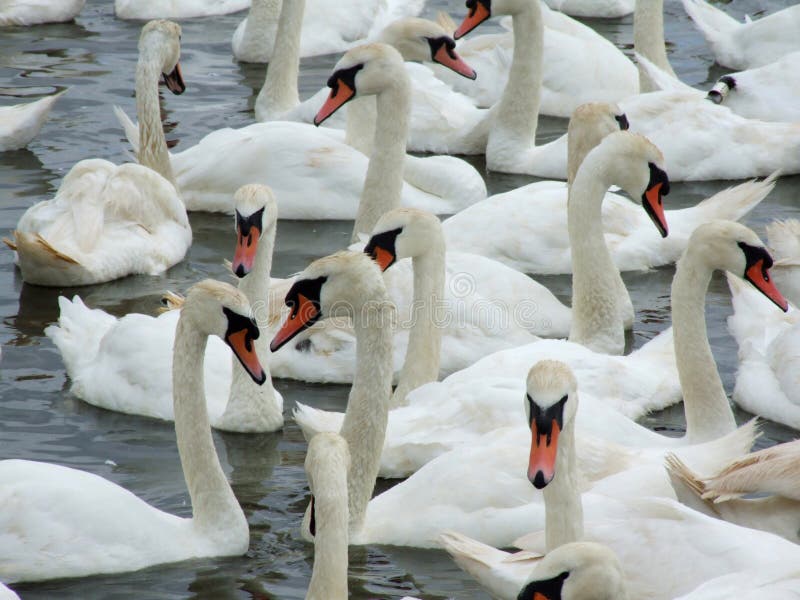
[{"x": 95, "y": 57}]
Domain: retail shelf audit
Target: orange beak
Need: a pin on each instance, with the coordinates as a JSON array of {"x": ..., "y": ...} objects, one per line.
[
  {"x": 245, "y": 254},
  {"x": 759, "y": 277},
  {"x": 476, "y": 16},
  {"x": 301, "y": 317},
  {"x": 654, "y": 206},
  {"x": 384, "y": 258},
  {"x": 451, "y": 60},
  {"x": 174, "y": 80},
  {"x": 542, "y": 462},
  {"x": 242, "y": 345},
  {"x": 338, "y": 97}
]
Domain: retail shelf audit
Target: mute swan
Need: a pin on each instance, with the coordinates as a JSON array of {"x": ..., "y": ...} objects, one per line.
[
  {"x": 484, "y": 397},
  {"x": 313, "y": 175},
  {"x": 176, "y": 9},
  {"x": 606, "y": 9},
  {"x": 748, "y": 45},
  {"x": 109, "y": 221},
  {"x": 61, "y": 522},
  {"x": 124, "y": 364},
  {"x": 328, "y": 27},
  {"x": 20, "y": 123},
  {"x": 34, "y": 12},
  {"x": 684, "y": 548}
]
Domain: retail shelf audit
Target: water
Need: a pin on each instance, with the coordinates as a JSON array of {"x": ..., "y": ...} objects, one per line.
[{"x": 95, "y": 57}]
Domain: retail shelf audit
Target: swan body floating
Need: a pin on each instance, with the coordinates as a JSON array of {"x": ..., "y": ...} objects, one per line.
[
  {"x": 34, "y": 12},
  {"x": 125, "y": 364},
  {"x": 748, "y": 45},
  {"x": 109, "y": 221},
  {"x": 550, "y": 408},
  {"x": 61, "y": 522},
  {"x": 605, "y": 9},
  {"x": 328, "y": 27},
  {"x": 20, "y": 123},
  {"x": 176, "y": 9}
]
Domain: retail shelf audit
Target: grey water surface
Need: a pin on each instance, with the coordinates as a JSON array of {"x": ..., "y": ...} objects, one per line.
[{"x": 95, "y": 58}]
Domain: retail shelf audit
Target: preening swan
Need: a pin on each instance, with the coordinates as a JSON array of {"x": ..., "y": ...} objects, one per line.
[
  {"x": 176, "y": 9},
  {"x": 20, "y": 123},
  {"x": 109, "y": 221},
  {"x": 124, "y": 364},
  {"x": 34, "y": 12},
  {"x": 60, "y": 522}
]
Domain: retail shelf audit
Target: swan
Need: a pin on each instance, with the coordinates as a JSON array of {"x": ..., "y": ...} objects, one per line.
[
  {"x": 579, "y": 65},
  {"x": 20, "y": 123},
  {"x": 328, "y": 28},
  {"x": 607, "y": 9},
  {"x": 484, "y": 397},
  {"x": 685, "y": 548},
  {"x": 34, "y": 12},
  {"x": 176, "y": 9},
  {"x": 748, "y": 45},
  {"x": 539, "y": 243},
  {"x": 109, "y": 221},
  {"x": 61, "y": 522},
  {"x": 303, "y": 164},
  {"x": 124, "y": 364}
]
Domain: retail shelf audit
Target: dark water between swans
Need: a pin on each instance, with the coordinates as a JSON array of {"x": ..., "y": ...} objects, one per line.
[{"x": 95, "y": 58}]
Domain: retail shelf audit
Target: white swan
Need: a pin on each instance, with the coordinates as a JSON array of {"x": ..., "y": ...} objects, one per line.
[
  {"x": 484, "y": 397},
  {"x": 20, "y": 123},
  {"x": 328, "y": 27},
  {"x": 60, "y": 522},
  {"x": 783, "y": 238},
  {"x": 535, "y": 240},
  {"x": 685, "y": 548},
  {"x": 124, "y": 364},
  {"x": 176, "y": 9},
  {"x": 605, "y": 9},
  {"x": 747, "y": 45},
  {"x": 34, "y": 12},
  {"x": 109, "y": 221}
]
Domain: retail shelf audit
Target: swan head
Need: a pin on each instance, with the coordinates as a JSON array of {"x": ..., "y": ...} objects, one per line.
[
  {"x": 737, "y": 249},
  {"x": 363, "y": 70},
  {"x": 479, "y": 11},
  {"x": 327, "y": 463},
  {"x": 165, "y": 37},
  {"x": 216, "y": 308},
  {"x": 256, "y": 211},
  {"x": 576, "y": 570},
  {"x": 550, "y": 405},
  {"x": 423, "y": 40},
  {"x": 589, "y": 124},
  {"x": 403, "y": 233},
  {"x": 342, "y": 285},
  {"x": 637, "y": 166}
]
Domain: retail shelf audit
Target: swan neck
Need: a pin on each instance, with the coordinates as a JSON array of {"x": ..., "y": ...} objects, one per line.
[
  {"x": 329, "y": 576},
  {"x": 279, "y": 93},
  {"x": 254, "y": 407},
  {"x": 581, "y": 140},
  {"x": 518, "y": 109},
  {"x": 708, "y": 412},
  {"x": 383, "y": 185},
  {"x": 424, "y": 349},
  {"x": 562, "y": 497},
  {"x": 648, "y": 40},
  {"x": 364, "y": 426},
  {"x": 597, "y": 286},
  {"x": 214, "y": 507},
  {"x": 360, "y": 124},
  {"x": 153, "y": 152}
]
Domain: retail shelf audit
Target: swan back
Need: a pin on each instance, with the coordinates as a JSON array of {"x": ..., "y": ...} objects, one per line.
[
  {"x": 589, "y": 124},
  {"x": 577, "y": 571}
]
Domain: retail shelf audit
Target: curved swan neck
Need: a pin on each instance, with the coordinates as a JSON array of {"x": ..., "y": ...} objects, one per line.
[
  {"x": 383, "y": 185},
  {"x": 253, "y": 407},
  {"x": 279, "y": 93},
  {"x": 329, "y": 576},
  {"x": 215, "y": 509},
  {"x": 596, "y": 282},
  {"x": 648, "y": 40},
  {"x": 562, "y": 497},
  {"x": 424, "y": 349},
  {"x": 517, "y": 112},
  {"x": 153, "y": 151},
  {"x": 360, "y": 124},
  {"x": 364, "y": 426},
  {"x": 708, "y": 412}
]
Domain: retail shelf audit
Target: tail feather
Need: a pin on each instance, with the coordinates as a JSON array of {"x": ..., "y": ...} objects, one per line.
[
  {"x": 688, "y": 486},
  {"x": 711, "y": 21},
  {"x": 313, "y": 420},
  {"x": 40, "y": 251},
  {"x": 79, "y": 332},
  {"x": 171, "y": 301},
  {"x": 131, "y": 128}
]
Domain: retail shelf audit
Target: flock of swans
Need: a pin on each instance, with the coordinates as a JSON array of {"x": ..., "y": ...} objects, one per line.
[{"x": 503, "y": 438}]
